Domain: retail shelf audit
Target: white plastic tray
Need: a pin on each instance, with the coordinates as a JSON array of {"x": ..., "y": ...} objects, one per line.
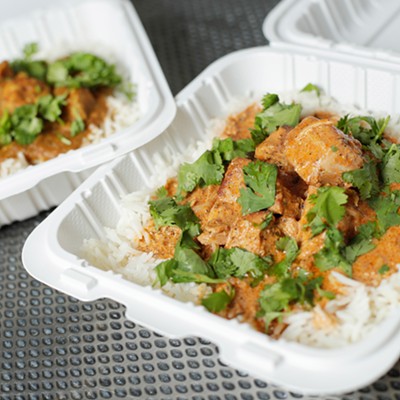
[
  {"x": 251, "y": 73},
  {"x": 368, "y": 28},
  {"x": 106, "y": 27}
]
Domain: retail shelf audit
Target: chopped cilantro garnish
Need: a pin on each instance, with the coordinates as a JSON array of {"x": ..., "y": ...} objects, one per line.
[
  {"x": 161, "y": 192},
  {"x": 390, "y": 166},
  {"x": 50, "y": 107},
  {"x": 365, "y": 179},
  {"x": 27, "y": 121},
  {"x": 386, "y": 207},
  {"x": 289, "y": 246},
  {"x": 229, "y": 149},
  {"x": 334, "y": 149},
  {"x": 186, "y": 266},
  {"x": 239, "y": 263},
  {"x": 77, "y": 126},
  {"x": 366, "y": 129},
  {"x": 29, "y": 50},
  {"x": 274, "y": 115},
  {"x": 82, "y": 70},
  {"x": 5, "y": 129},
  {"x": 34, "y": 68},
  {"x": 275, "y": 299},
  {"x": 362, "y": 242},
  {"x": 259, "y": 194},
  {"x": 310, "y": 87},
  {"x": 165, "y": 211},
  {"x": 333, "y": 253},
  {"x": 208, "y": 169},
  {"x": 266, "y": 221},
  {"x": 218, "y": 301},
  {"x": 328, "y": 208},
  {"x": 25, "y": 124},
  {"x": 64, "y": 139},
  {"x": 325, "y": 293},
  {"x": 382, "y": 270}
]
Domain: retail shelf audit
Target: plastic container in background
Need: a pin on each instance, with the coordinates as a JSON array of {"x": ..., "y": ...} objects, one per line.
[
  {"x": 369, "y": 83},
  {"x": 111, "y": 29}
]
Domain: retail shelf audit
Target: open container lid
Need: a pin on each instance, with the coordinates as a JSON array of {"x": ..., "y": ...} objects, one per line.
[
  {"x": 367, "y": 28},
  {"x": 112, "y": 24}
]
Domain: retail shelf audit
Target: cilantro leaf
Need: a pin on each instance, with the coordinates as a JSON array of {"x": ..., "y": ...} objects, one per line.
[
  {"x": 362, "y": 242},
  {"x": 328, "y": 208},
  {"x": 218, "y": 301},
  {"x": 366, "y": 129},
  {"x": 36, "y": 69},
  {"x": 238, "y": 262},
  {"x": 332, "y": 254},
  {"x": 82, "y": 70},
  {"x": 165, "y": 211},
  {"x": 259, "y": 194},
  {"x": 382, "y": 270},
  {"x": 5, "y": 129},
  {"x": 186, "y": 266},
  {"x": 365, "y": 179},
  {"x": 291, "y": 249},
  {"x": 208, "y": 169},
  {"x": 266, "y": 221},
  {"x": 390, "y": 167},
  {"x": 50, "y": 107},
  {"x": 229, "y": 149},
  {"x": 25, "y": 124},
  {"x": 77, "y": 126},
  {"x": 30, "y": 49},
  {"x": 275, "y": 299},
  {"x": 274, "y": 115},
  {"x": 310, "y": 87},
  {"x": 386, "y": 207}
]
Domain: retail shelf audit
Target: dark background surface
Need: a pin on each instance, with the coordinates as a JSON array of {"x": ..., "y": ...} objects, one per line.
[{"x": 55, "y": 347}]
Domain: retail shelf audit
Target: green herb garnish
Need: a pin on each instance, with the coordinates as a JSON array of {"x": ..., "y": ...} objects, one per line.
[
  {"x": 365, "y": 179},
  {"x": 310, "y": 87},
  {"x": 239, "y": 263},
  {"x": 218, "y": 301},
  {"x": 274, "y": 115},
  {"x": 328, "y": 208},
  {"x": 259, "y": 194}
]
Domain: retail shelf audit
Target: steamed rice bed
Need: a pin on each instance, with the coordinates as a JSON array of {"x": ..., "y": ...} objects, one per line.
[{"x": 356, "y": 308}]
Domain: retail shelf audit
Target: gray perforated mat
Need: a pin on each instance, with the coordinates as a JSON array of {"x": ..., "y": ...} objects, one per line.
[{"x": 55, "y": 347}]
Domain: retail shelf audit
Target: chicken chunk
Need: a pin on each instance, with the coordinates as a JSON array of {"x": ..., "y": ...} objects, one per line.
[
  {"x": 320, "y": 153},
  {"x": 238, "y": 126},
  {"x": 80, "y": 103},
  {"x": 226, "y": 209},
  {"x": 287, "y": 202},
  {"x": 272, "y": 149},
  {"x": 20, "y": 90},
  {"x": 5, "y": 70},
  {"x": 367, "y": 267},
  {"x": 161, "y": 242},
  {"x": 201, "y": 201},
  {"x": 246, "y": 233}
]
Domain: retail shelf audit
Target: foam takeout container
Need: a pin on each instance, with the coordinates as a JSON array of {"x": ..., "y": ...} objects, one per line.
[
  {"x": 111, "y": 29},
  {"x": 369, "y": 82}
]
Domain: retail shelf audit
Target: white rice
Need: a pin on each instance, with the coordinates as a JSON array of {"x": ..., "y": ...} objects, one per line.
[{"x": 346, "y": 319}]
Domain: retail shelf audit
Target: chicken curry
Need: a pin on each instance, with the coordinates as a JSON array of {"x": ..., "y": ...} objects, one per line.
[
  {"x": 275, "y": 206},
  {"x": 47, "y": 108}
]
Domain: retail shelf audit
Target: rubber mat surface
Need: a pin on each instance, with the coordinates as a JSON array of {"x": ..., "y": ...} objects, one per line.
[{"x": 53, "y": 346}]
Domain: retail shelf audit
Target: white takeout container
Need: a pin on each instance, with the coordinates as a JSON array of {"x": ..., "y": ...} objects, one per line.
[
  {"x": 52, "y": 253},
  {"x": 109, "y": 28}
]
